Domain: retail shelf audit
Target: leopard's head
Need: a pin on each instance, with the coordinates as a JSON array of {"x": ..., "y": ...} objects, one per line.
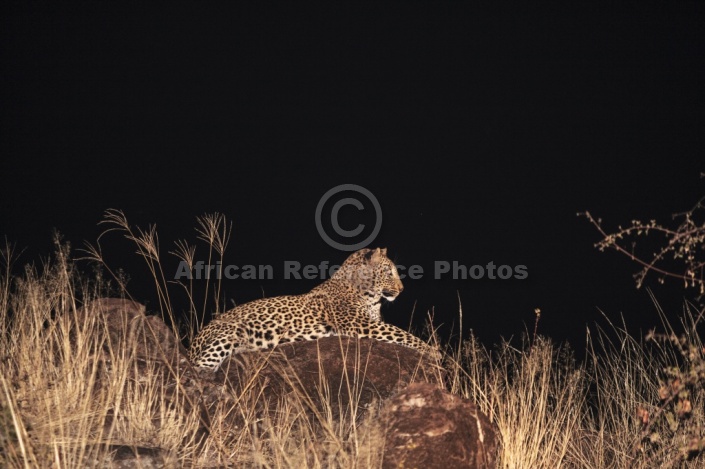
[{"x": 373, "y": 273}]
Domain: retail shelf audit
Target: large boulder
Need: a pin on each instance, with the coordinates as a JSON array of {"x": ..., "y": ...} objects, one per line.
[
  {"x": 336, "y": 369},
  {"x": 129, "y": 329},
  {"x": 157, "y": 360},
  {"x": 425, "y": 425},
  {"x": 428, "y": 427}
]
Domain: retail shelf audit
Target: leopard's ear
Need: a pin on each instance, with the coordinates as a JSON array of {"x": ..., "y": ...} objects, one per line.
[
  {"x": 374, "y": 255},
  {"x": 369, "y": 253}
]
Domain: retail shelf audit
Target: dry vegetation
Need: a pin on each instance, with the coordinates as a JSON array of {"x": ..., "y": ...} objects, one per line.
[{"x": 633, "y": 403}]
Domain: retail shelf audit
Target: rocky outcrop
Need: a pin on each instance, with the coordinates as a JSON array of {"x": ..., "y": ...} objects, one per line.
[
  {"x": 361, "y": 369},
  {"x": 427, "y": 427},
  {"x": 128, "y": 328},
  {"x": 421, "y": 420}
]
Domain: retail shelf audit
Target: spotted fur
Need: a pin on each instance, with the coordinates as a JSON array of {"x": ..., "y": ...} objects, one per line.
[{"x": 347, "y": 304}]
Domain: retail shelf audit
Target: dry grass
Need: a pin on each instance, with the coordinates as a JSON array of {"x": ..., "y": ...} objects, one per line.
[
  {"x": 55, "y": 413},
  {"x": 549, "y": 410}
]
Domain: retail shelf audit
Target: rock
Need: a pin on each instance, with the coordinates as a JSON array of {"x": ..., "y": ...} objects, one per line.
[
  {"x": 127, "y": 325},
  {"x": 427, "y": 427},
  {"x": 127, "y": 457},
  {"x": 158, "y": 359},
  {"x": 326, "y": 375},
  {"x": 366, "y": 368}
]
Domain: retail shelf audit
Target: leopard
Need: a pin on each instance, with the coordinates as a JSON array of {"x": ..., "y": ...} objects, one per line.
[{"x": 347, "y": 304}]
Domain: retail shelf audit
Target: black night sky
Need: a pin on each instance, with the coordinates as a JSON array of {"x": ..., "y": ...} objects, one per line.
[{"x": 481, "y": 129}]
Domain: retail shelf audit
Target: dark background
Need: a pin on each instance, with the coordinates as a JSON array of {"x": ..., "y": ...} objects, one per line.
[{"x": 481, "y": 129}]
